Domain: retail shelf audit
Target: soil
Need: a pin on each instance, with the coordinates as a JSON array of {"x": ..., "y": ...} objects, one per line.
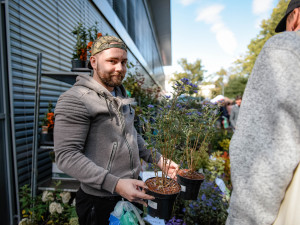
[
  {"x": 193, "y": 175},
  {"x": 155, "y": 184}
]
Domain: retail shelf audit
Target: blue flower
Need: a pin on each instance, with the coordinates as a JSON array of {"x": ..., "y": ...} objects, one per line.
[
  {"x": 150, "y": 106},
  {"x": 203, "y": 197},
  {"x": 188, "y": 114},
  {"x": 168, "y": 96},
  {"x": 214, "y": 208},
  {"x": 209, "y": 203},
  {"x": 184, "y": 210},
  {"x": 185, "y": 80}
]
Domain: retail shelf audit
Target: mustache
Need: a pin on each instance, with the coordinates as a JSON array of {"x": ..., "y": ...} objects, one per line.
[{"x": 118, "y": 74}]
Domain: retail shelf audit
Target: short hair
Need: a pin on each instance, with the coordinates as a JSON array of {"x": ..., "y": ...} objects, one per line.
[{"x": 238, "y": 97}]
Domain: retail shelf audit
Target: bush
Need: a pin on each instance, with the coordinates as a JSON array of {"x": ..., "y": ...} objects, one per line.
[{"x": 51, "y": 207}]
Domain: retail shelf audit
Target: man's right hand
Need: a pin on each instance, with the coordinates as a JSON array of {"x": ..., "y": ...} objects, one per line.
[{"x": 133, "y": 190}]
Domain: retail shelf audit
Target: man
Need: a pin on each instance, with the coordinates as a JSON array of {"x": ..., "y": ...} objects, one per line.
[
  {"x": 265, "y": 149},
  {"x": 94, "y": 137},
  {"x": 235, "y": 112}
]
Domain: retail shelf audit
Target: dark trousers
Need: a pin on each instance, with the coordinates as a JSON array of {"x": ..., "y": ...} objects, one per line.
[{"x": 93, "y": 210}]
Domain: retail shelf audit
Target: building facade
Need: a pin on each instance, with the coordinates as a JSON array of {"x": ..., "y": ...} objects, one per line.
[{"x": 29, "y": 27}]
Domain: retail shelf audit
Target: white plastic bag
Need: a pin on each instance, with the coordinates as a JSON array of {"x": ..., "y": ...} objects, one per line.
[{"x": 125, "y": 213}]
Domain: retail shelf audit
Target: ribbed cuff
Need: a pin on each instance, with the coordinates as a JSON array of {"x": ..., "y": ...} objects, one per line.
[{"x": 110, "y": 182}]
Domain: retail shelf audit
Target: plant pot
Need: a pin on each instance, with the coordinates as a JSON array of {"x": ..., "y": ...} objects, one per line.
[
  {"x": 46, "y": 135},
  {"x": 78, "y": 64},
  {"x": 190, "y": 183},
  {"x": 162, "y": 205}
]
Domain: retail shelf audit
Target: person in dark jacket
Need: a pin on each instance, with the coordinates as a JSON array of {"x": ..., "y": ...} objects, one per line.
[
  {"x": 235, "y": 112},
  {"x": 95, "y": 140}
]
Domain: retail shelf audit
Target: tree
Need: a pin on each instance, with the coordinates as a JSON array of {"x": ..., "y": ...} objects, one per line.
[
  {"x": 192, "y": 71},
  {"x": 219, "y": 83},
  {"x": 235, "y": 86},
  {"x": 256, "y": 44}
]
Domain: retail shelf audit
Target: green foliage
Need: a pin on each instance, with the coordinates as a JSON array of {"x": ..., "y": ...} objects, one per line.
[
  {"x": 218, "y": 138},
  {"x": 192, "y": 71},
  {"x": 235, "y": 86},
  {"x": 52, "y": 207},
  {"x": 92, "y": 32},
  {"x": 178, "y": 129},
  {"x": 134, "y": 83},
  {"x": 209, "y": 208},
  {"x": 80, "y": 48},
  {"x": 48, "y": 119},
  {"x": 267, "y": 30}
]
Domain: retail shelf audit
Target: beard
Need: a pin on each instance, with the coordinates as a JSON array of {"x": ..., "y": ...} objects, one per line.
[{"x": 114, "y": 80}]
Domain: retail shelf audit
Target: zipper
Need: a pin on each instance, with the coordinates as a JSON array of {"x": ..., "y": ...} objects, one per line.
[
  {"x": 122, "y": 120},
  {"x": 130, "y": 151},
  {"x": 112, "y": 155}
]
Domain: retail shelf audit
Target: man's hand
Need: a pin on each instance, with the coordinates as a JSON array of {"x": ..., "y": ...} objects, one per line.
[
  {"x": 133, "y": 190},
  {"x": 169, "y": 167}
]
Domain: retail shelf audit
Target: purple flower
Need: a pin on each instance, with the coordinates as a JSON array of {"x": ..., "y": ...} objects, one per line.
[
  {"x": 150, "y": 106},
  {"x": 203, "y": 197},
  {"x": 188, "y": 114},
  {"x": 214, "y": 208},
  {"x": 168, "y": 96},
  {"x": 184, "y": 210},
  {"x": 185, "y": 80}
]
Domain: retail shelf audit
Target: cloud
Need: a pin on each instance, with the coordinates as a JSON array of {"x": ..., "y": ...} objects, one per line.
[
  {"x": 225, "y": 37},
  {"x": 187, "y": 2},
  {"x": 261, "y": 6}
]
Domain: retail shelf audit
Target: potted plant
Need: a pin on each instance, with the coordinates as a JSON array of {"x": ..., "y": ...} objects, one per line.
[
  {"x": 163, "y": 132},
  {"x": 93, "y": 34},
  {"x": 198, "y": 131},
  {"x": 80, "y": 48},
  {"x": 198, "y": 128},
  {"x": 48, "y": 125}
]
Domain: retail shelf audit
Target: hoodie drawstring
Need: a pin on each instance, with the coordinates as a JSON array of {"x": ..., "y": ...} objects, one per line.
[{"x": 105, "y": 97}]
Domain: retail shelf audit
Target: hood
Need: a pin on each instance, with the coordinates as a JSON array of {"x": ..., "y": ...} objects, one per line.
[{"x": 89, "y": 82}]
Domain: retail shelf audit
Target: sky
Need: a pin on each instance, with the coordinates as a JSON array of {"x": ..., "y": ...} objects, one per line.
[{"x": 215, "y": 31}]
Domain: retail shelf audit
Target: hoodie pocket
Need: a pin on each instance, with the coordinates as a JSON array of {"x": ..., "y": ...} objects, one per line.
[{"x": 112, "y": 155}]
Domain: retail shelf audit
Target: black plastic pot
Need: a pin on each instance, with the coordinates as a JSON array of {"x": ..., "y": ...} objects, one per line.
[
  {"x": 46, "y": 137},
  {"x": 189, "y": 188},
  {"x": 78, "y": 64},
  {"x": 162, "y": 205}
]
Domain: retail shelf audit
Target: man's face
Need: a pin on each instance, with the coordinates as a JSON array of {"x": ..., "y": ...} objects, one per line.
[
  {"x": 110, "y": 67},
  {"x": 238, "y": 102}
]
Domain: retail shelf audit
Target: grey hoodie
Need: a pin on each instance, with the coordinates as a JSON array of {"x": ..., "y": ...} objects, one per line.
[
  {"x": 94, "y": 137},
  {"x": 265, "y": 149}
]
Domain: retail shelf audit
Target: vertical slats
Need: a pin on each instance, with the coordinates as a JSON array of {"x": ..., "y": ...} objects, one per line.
[{"x": 45, "y": 26}]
